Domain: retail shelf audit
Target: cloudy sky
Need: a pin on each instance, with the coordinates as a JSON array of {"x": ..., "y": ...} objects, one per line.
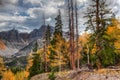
[{"x": 26, "y": 15}]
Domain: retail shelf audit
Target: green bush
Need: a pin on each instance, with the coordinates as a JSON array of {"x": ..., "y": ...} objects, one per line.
[{"x": 51, "y": 76}]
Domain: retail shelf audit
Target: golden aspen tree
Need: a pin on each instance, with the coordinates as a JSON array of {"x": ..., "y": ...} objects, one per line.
[{"x": 8, "y": 75}]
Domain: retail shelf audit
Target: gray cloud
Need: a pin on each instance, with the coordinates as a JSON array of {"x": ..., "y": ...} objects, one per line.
[{"x": 26, "y": 15}]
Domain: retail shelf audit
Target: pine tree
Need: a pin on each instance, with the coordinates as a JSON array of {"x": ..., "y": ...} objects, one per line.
[
  {"x": 58, "y": 25},
  {"x": 56, "y": 55},
  {"x": 37, "y": 65},
  {"x": 35, "y": 48},
  {"x": 48, "y": 35},
  {"x": 98, "y": 15},
  {"x": 46, "y": 44},
  {"x": 58, "y": 29}
]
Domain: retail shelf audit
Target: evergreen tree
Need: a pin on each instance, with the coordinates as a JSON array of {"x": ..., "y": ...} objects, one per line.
[
  {"x": 35, "y": 48},
  {"x": 98, "y": 15},
  {"x": 46, "y": 44},
  {"x": 56, "y": 55},
  {"x": 58, "y": 29},
  {"x": 37, "y": 65},
  {"x": 58, "y": 25},
  {"x": 48, "y": 35}
]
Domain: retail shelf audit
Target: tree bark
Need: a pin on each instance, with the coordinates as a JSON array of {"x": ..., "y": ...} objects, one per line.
[{"x": 77, "y": 35}]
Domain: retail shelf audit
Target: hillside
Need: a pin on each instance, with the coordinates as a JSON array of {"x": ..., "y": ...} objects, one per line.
[{"x": 102, "y": 74}]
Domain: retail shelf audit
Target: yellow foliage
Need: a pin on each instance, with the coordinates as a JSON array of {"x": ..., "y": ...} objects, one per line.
[
  {"x": 110, "y": 29},
  {"x": 2, "y": 67},
  {"x": 29, "y": 60},
  {"x": 114, "y": 32},
  {"x": 23, "y": 75},
  {"x": 8, "y": 75},
  {"x": 94, "y": 49},
  {"x": 83, "y": 39},
  {"x": 61, "y": 50}
]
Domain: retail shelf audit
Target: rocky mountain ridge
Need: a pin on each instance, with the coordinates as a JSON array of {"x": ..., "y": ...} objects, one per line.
[{"x": 21, "y": 43}]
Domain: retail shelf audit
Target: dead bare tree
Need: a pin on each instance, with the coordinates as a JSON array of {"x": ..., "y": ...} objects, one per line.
[
  {"x": 77, "y": 34},
  {"x": 45, "y": 43},
  {"x": 71, "y": 30}
]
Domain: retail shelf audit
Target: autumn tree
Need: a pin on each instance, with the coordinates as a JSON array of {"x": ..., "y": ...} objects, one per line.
[
  {"x": 37, "y": 66},
  {"x": 99, "y": 17},
  {"x": 46, "y": 44},
  {"x": 83, "y": 43},
  {"x": 57, "y": 57},
  {"x": 2, "y": 67},
  {"x": 114, "y": 33},
  {"x": 8, "y": 75},
  {"x": 22, "y": 75}
]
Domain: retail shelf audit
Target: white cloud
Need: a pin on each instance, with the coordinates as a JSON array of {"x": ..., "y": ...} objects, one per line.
[
  {"x": 48, "y": 19},
  {"x": 13, "y": 1},
  {"x": 3, "y": 24},
  {"x": 35, "y": 12},
  {"x": 56, "y": 3},
  {"x": 45, "y": 2},
  {"x": 20, "y": 27},
  {"x": 81, "y": 1},
  {"x": 33, "y": 2},
  {"x": 12, "y": 18}
]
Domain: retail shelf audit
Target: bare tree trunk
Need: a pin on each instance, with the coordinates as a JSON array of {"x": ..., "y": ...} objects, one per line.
[
  {"x": 88, "y": 56},
  {"x": 98, "y": 30},
  {"x": 71, "y": 29},
  {"x": 69, "y": 13},
  {"x": 72, "y": 35},
  {"x": 77, "y": 35},
  {"x": 45, "y": 56},
  {"x": 60, "y": 66},
  {"x": 45, "y": 44}
]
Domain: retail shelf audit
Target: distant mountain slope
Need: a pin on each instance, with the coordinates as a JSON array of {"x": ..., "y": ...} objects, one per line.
[
  {"x": 27, "y": 49},
  {"x": 11, "y": 36},
  {"x": 39, "y": 33},
  {"x": 11, "y": 48},
  {"x": 21, "y": 43}
]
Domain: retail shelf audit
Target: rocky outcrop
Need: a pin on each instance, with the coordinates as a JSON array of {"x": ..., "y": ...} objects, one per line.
[{"x": 103, "y": 74}]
